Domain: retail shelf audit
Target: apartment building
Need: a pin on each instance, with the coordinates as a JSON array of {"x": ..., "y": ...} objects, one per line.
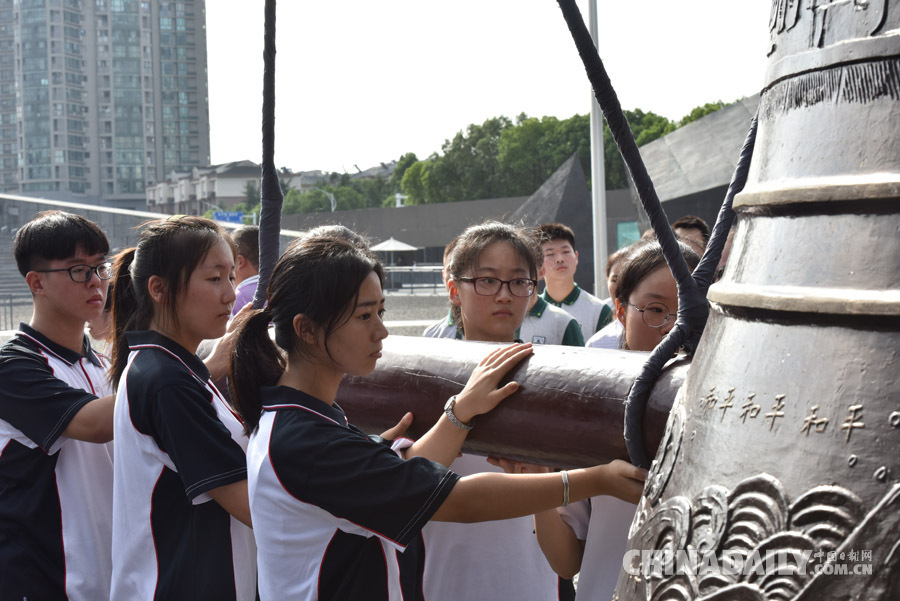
[{"x": 101, "y": 98}]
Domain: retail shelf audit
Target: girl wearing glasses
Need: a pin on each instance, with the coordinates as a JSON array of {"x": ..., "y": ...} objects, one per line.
[
  {"x": 492, "y": 275},
  {"x": 334, "y": 509},
  {"x": 181, "y": 519},
  {"x": 647, "y": 297},
  {"x": 594, "y": 532}
]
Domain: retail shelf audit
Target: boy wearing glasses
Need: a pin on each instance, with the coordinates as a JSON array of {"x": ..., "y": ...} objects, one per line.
[
  {"x": 56, "y": 409},
  {"x": 560, "y": 262}
]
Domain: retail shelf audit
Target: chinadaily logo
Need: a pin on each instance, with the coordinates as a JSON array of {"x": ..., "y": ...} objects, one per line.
[{"x": 656, "y": 564}]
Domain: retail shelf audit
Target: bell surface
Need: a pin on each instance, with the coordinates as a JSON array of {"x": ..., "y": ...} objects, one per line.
[{"x": 778, "y": 476}]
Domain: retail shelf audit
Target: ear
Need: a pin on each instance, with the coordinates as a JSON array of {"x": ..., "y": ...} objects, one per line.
[
  {"x": 541, "y": 271},
  {"x": 156, "y": 287},
  {"x": 239, "y": 262},
  {"x": 453, "y": 290},
  {"x": 304, "y": 328},
  {"x": 35, "y": 282},
  {"x": 620, "y": 311}
]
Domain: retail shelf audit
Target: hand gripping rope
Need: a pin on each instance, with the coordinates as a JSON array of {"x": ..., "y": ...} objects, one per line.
[{"x": 693, "y": 309}]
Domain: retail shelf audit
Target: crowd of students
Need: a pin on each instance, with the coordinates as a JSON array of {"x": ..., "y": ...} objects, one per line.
[{"x": 133, "y": 477}]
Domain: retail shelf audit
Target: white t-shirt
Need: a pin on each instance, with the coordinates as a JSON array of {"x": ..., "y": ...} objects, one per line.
[
  {"x": 487, "y": 561},
  {"x": 548, "y": 324},
  {"x": 610, "y": 337},
  {"x": 590, "y": 312},
  {"x": 603, "y": 523}
]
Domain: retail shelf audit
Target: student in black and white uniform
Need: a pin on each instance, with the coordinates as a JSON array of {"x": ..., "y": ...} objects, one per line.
[
  {"x": 56, "y": 407},
  {"x": 332, "y": 507},
  {"x": 181, "y": 521}
]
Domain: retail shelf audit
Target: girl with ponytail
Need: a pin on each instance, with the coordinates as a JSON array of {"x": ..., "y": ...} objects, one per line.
[
  {"x": 181, "y": 521},
  {"x": 334, "y": 510}
]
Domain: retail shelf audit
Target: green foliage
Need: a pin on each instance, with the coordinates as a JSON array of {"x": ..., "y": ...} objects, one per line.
[
  {"x": 495, "y": 159},
  {"x": 702, "y": 111},
  {"x": 403, "y": 163},
  {"x": 251, "y": 193},
  {"x": 414, "y": 182}
]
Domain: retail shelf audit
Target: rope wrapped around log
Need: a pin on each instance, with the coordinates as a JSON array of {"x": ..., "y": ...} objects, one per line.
[{"x": 568, "y": 411}]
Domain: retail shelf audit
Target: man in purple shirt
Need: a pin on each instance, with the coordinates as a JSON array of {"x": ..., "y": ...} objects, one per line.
[{"x": 246, "y": 265}]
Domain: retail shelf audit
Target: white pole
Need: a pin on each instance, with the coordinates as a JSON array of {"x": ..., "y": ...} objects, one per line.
[{"x": 598, "y": 178}]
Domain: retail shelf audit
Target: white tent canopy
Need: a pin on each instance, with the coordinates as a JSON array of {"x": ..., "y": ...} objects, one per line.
[{"x": 392, "y": 245}]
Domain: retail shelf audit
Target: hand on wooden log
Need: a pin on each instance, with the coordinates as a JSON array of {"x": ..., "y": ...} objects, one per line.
[
  {"x": 481, "y": 393},
  {"x": 567, "y": 410}
]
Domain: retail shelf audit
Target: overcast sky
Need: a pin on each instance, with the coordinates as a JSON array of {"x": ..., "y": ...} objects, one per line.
[{"x": 362, "y": 82}]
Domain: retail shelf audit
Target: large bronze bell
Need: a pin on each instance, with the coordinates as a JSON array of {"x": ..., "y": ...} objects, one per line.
[{"x": 782, "y": 450}]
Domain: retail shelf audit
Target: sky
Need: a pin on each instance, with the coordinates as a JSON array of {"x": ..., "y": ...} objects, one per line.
[{"x": 360, "y": 82}]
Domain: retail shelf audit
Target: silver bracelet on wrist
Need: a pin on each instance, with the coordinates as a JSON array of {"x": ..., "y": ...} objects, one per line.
[
  {"x": 565, "y": 477},
  {"x": 448, "y": 411}
]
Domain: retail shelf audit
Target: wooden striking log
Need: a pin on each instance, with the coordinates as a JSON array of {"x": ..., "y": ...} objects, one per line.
[{"x": 568, "y": 412}]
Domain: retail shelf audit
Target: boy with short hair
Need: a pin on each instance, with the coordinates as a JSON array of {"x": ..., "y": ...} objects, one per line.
[
  {"x": 548, "y": 324},
  {"x": 560, "y": 263},
  {"x": 246, "y": 265},
  {"x": 694, "y": 231},
  {"x": 55, "y": 480}
]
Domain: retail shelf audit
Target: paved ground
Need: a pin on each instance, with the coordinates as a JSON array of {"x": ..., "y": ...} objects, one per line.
[{"x": 418, "y": 310}]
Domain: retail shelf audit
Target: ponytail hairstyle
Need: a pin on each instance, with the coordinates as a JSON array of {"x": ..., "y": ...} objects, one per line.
[
  {"x": 318, "y": 277},
  {"x": 470, "y": 244},
  {"x": 170, "y": 249}
]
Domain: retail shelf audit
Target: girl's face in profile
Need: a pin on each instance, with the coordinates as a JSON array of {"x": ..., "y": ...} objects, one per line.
[
  {"x": 204, "y": 308},
  {"x": 657, "y": 296},
  {"x": 496, "y": 317},
  {"x": 356, "y": 345}
]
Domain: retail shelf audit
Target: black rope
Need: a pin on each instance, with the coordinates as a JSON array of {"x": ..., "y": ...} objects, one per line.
[
  {"x": 639, "y": 395},
  {"x": 693, "y": 310},
  {"x": 271, "y": 197}
]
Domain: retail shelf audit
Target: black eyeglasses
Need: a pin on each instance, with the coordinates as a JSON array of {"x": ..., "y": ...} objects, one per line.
[
  {"x": 655, "y": 315},
  {"x": 83, "y": 273},
  {"x": 487, "y": 286}
]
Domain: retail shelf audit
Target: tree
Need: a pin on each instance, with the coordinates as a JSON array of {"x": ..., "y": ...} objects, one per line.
[
  {"x": 702, "y": 111},
  {"x": 251, "y": 193},
  {"x": 403, "y": 163},
  {"x": 413, "y": 183},
  {"x": 468, "y": 169},
  {"x": 523, "y": 154},
  {"x": 292, "y": 202}
]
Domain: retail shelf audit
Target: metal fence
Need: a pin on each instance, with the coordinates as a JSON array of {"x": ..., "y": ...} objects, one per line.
[
  {"x": 14, "y": 308},
  {"x": 419, "y": 279}
]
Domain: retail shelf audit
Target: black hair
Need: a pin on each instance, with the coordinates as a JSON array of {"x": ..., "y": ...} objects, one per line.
[
  {"x": 170, "y": 249},
  {"x": 692, "y": 222},
  {"x": 246, "y": 243},
  {"x": 555, "y": 231},
  {"x": 643, "y": 259},
  {"x": 337, "y": 231},
  {"x": 617, "y": 256},
  {"x": 471, "y": 243},
  {"x": 319, "y": 277},
  {"x": 54, "y": 235}
]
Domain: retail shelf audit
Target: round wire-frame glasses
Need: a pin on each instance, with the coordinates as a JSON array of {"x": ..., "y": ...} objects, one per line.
[{"x": 655, "y": 315}]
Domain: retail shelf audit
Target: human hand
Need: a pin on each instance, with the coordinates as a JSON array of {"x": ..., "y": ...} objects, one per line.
[
  {"x": 518, "y": 467},
  {"x": 400, "y": 429},
  {"x": 625, "y": 481},
  {"x": 481, "y": 394},
  {"x": 240, "y": 317}
]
